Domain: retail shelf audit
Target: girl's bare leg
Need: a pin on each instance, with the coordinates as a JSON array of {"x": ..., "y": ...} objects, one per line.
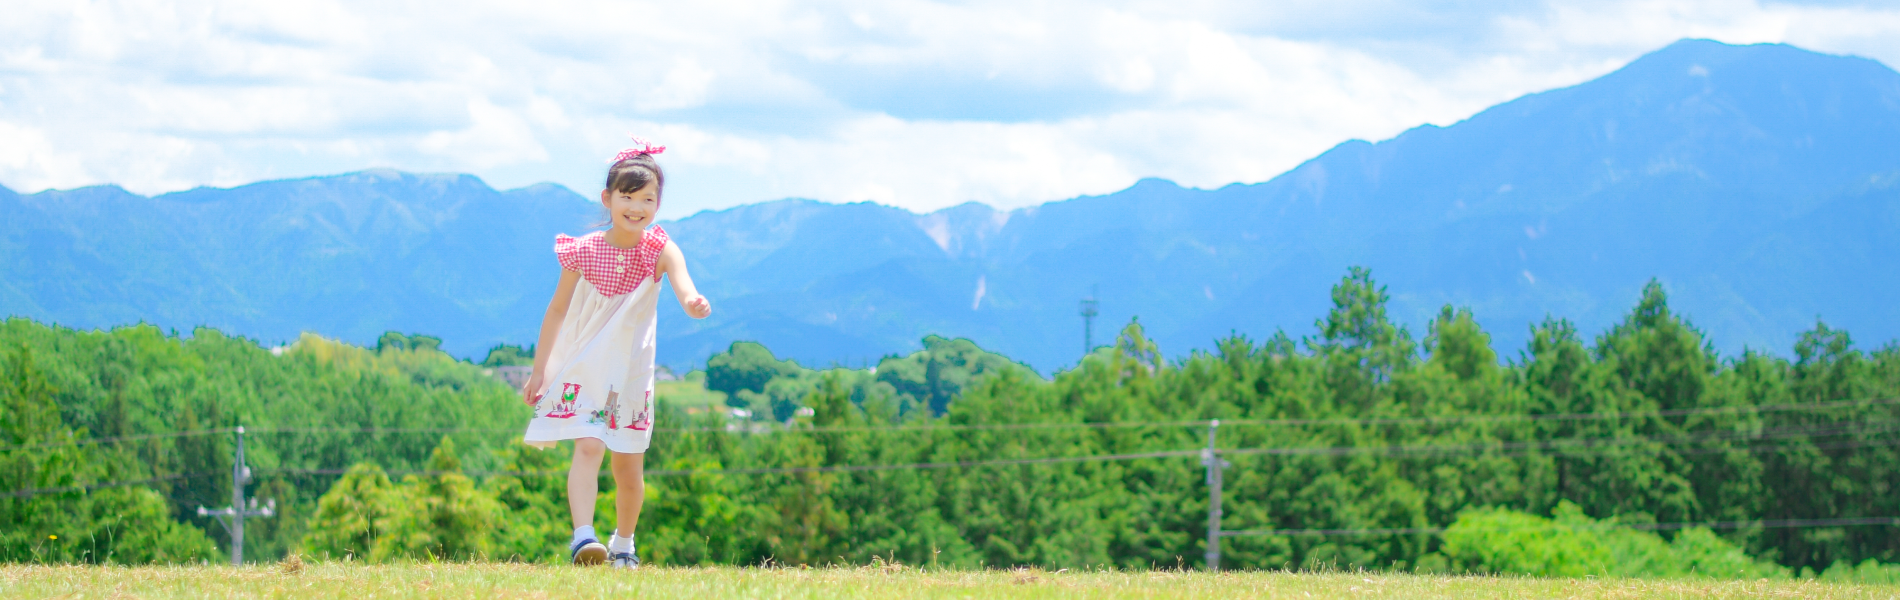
[
  {"x": 583, "y": 479},
  {"x": 630, "y": 491}
]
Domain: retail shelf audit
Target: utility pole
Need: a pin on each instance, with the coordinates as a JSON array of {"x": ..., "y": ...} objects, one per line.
[
  {"x": 233, "y": 517},
  {"x": 1212, "y": 459},
  {"x": 1088, "y": 323}
]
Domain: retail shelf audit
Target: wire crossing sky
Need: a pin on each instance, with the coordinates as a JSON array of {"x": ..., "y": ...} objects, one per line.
[
  {"x": 930, "y": 427},
  {"x": 920, "y": 105}
]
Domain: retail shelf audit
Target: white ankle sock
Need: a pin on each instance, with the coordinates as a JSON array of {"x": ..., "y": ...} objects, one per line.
[
  {"x": 620, "y": 544},
  {"x": 583, "y": 532}
]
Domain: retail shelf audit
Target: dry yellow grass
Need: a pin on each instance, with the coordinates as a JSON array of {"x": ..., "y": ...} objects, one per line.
[{"x": 360, "y": 582}]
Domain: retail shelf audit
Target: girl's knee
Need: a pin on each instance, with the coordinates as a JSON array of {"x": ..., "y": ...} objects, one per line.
[
  {"x": 589, "y": 447},
  {"x": 632, "y": 463}
]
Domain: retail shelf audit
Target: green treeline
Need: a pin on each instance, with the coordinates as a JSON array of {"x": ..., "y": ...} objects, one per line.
[
  {"x": 1360, "y": 425},
  {"x": 62, "y": 385}
]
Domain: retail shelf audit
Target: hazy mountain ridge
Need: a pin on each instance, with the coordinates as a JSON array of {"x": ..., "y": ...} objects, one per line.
[
  {"x": 1709, "y": 166},
  {"x": 349, "y": 256},
  {"x": 1760, "y": 183}
]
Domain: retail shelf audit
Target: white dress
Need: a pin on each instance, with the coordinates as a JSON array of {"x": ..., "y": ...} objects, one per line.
[{"x": 599, "y": 377}]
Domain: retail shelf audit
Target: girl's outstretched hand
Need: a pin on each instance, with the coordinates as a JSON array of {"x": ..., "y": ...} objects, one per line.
[
  {"x": 528, "y": 391},
  {"x": 697, "y": 306}
]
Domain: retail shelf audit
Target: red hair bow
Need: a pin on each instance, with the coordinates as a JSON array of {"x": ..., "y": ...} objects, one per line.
[{"x": 640, "y": 146}]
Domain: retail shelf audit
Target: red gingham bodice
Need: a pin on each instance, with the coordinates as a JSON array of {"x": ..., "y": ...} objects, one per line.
[{"x": 613, "y": 271}]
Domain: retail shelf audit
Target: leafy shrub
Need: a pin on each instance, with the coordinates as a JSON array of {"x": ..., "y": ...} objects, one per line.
[
  {"x": 438, "y": 516},
  {"x": 1869, "y": 571},
  {"x": 354, "y": 514},
  {"x": 135, "y": 527},
  {"x": 1496, "y": 540}
]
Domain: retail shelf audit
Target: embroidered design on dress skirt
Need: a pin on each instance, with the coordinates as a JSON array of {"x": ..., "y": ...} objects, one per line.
[
  {"x": 643, "y": 419},
  {"x": 613, "y": 409},
  {"x": 565, "y": 408}
]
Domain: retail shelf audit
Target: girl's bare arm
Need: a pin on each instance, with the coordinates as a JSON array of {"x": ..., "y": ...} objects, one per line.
[
  {"x": 550, "y": 329},
  {"x": 673, "y": 265}
]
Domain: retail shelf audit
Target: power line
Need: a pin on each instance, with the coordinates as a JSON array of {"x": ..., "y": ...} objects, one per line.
[
  {"x": 1768, "y": 523},
  {"x": 204, "y": 432},
  {"x": 931, "y": 427},
  {"x": 1764, "y": 524},
  {"x": 1052, "y": 460},
  {"x": 946, "y": 465},
  {"x": 988, "y": 463},
  {"x": 1334, "y": 532},
  {"x": 1599, "y": 445},
  {"x": 1570, "y": 446},
  {"x": 1561, "y": 444},
  {"x": 763, "y": 427},
  {"x": 791, "y": 470},
  {"x": 380, "y": 430},
  {"x": 1362, "y": 421},
  {"x": 938, "y": 426},
  {"x": 119, "y": 439},
  {"x": 94, "y": 486},
  {"x": 1564, "y": 446},
  {"x": 1568, "y": 416}
]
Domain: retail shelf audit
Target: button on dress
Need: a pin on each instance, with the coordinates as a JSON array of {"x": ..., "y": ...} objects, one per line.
[{"x": 599, "y": 381}]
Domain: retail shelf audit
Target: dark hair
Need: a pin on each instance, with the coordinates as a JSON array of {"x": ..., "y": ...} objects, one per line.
[{"x": 629, "y": 176}]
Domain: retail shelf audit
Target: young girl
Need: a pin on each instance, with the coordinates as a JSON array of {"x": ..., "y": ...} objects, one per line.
[{"x": 594, "y": 382}]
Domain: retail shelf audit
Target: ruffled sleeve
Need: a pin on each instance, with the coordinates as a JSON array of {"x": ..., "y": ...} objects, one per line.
[
  {"x": 567, "y": 249},
  {"x": 658, "y": 238},
  {"x": 651, "y": 246}
]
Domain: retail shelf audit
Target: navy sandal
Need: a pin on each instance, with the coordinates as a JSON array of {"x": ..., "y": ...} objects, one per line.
[
  {"x": 588, "y": 552},
  {"x": 624, "y": 560}
]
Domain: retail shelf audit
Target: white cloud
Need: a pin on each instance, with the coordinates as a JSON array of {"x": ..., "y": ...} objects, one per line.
[
  {"x": 27, "y": 150},
  {"x": 494, "y": 136},
  {"x": 684, "y": 86},
  {"x": 914, "y": 103}
]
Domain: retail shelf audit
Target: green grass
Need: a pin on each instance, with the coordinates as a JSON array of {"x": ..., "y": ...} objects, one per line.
[
  {"x": 689, "y": 392},
  {"x": 360, "y": 582}
]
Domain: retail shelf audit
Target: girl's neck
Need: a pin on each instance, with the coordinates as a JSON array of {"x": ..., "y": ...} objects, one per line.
[{"x": 623, "y": 240}]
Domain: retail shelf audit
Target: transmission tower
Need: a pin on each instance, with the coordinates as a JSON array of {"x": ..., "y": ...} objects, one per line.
[{"x": 1088, "y": 323}]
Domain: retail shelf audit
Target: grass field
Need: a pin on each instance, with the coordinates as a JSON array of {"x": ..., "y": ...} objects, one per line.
[
  {"x": 359, "y": 582},
  {"x": 690, "y": 393}
]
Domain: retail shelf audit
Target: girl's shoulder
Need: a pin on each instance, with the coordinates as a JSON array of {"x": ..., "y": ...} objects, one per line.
[
  {"x": 562, "y": 240},
  {"x": 612, "y": 270},
  {"x": 572, "y": 251},
  {"x": 647, "y": 255}
]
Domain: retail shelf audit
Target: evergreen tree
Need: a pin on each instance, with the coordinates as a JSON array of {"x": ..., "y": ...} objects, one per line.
[{"x": 1350, "y": 430}]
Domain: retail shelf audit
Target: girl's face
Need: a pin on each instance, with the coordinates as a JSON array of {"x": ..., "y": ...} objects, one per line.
[{"x": 631, "y": 211}]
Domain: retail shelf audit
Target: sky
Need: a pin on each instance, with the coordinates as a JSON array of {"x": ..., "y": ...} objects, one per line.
[{"x": 921, "y": 105}]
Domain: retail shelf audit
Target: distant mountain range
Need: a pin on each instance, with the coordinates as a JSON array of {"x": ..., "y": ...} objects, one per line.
[{"x": 1760, "y": 183}]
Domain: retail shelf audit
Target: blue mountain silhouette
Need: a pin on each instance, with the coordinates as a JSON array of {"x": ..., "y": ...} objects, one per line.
[{"x": 1760, "y": 184}]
